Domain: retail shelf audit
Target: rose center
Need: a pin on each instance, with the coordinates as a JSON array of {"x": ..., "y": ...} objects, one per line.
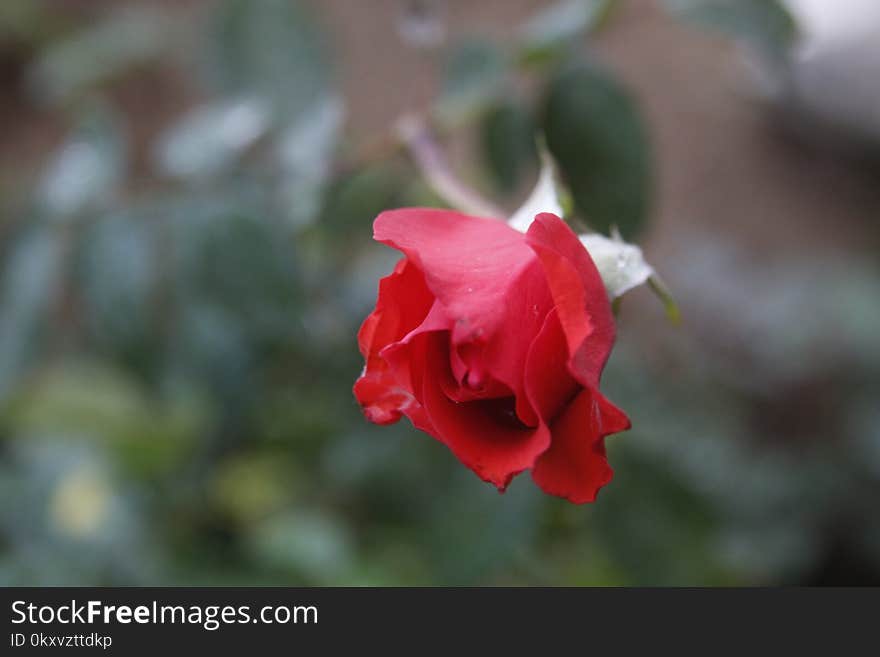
[{"x": 503, "y": 411}]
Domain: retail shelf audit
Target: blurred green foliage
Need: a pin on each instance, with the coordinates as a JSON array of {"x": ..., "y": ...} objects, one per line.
[
  {"x": 764, "y": 24},
  {"x": 596, "y": 135},
  {"x": 507, "y": 139},
  {"x": 177, "y": 345}
]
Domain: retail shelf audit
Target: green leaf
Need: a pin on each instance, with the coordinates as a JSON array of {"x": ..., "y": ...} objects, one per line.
[
  {"x": 73, "y": 515},
  {"x": 210, "y": 139},
  {"x": 31, "y": 278},
  {"x": 268, "y": 48},
  {"x": 765, "y": 24},
  {"x": 484, "y": 537},
  {"x": 305, "y": 153},
  {"x": 249, "y": 487},
  {"x": 127, "y": 38},
  {"x": 86, "y": 172},
  {"x": 596, "y": 135},
  {"x": 354, "y": 201},
  {"x": 234, "y": 280},
  {"x": 675, "y": 529},
  {"x": 314, "y": 545},
  {"x": 556, "y": 27},
  {"x": 24, "y": 22},
  {"x": 147, "y": 435},
  {"x": 474, "y": 75},
  {"x": 118, "y": 274},
  {"x": 507, "y": 135}
]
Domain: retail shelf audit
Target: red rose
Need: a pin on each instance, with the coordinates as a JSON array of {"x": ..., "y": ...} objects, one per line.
[{"x": 493, "y": 342}]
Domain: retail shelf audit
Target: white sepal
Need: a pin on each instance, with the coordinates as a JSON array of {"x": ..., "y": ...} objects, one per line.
[
  {"x": 621, "y": 265},
  {"x": 544, "y": 198}
]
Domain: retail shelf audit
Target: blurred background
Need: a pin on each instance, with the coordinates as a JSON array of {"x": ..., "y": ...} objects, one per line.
[{"x": 187, "y": 191}]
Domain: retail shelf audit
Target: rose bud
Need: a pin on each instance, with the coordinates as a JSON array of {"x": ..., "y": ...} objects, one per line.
[{"x": 493, "y": 342}]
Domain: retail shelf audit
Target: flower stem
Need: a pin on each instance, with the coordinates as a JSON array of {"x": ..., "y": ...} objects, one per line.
[{"x": 415, "y": 135}]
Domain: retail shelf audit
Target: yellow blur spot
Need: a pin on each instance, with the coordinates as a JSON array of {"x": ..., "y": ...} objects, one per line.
[{"x": 80, "y": 503}]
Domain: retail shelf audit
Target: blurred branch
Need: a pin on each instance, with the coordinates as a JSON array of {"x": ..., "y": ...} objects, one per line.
[
  {"x": 414, "y": 133},
  {"x": 65, "y": 310}
]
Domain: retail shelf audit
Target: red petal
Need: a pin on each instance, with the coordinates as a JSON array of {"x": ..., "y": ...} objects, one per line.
[
  {"x": 485, "y": 435},
  {"x": 491, "y": 286},
  {"x": 404, "y": 301},
  {"x": 469, "y": 263},
  {"x": 579, "y": 295},
  {"x": 549, "y": 384},
  {"x": 575, "y": 466},
  {"x": 405, "y": 360},
  {"x": 381, "y": 401}
]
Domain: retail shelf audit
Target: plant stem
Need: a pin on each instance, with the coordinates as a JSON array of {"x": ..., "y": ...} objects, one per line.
[{"x": 414, "y": 133}]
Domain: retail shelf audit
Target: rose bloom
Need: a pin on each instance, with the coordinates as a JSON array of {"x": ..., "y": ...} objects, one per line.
[{"x": 493, "y": 342}]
